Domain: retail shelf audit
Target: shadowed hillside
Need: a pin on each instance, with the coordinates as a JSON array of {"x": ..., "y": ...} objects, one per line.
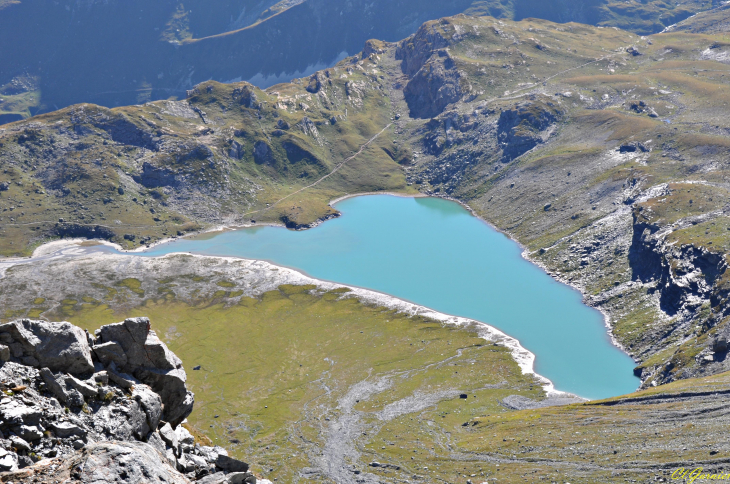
[{"x": 117, "y": 53}]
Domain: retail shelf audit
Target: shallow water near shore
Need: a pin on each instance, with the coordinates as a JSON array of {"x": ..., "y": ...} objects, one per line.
[{"x": 434, "y": 253}]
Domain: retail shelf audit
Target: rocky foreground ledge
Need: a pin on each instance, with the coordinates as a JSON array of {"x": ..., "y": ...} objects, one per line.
[{"x": 98, "y": 408}]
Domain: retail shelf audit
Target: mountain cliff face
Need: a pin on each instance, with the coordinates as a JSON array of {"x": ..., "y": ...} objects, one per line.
[{"x": 90, "y": 51}]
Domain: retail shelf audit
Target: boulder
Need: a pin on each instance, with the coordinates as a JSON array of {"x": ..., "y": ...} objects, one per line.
[
  {"x": 75, "y": 398},
  {"x": 217, "y": 478},
  {"x": 15, "y": 414},
  {"x": 156, "y": 441},
  {"x": 170, "y": 386},
  {"x": 53, "y": 385},
  {"x": 8, "y": 460},
  {"x": 110, "y": 352},
  {"x": 719, "y": 344},
  {"x": 130, "y": 335},
  {"x": 122, "y": 379},
  {"x": 150, "y": 402},
  {"x": 28, "y": 432},
  {"x": 262, "y": 153},
  {"x": 199, "y": 464},
  {"x": 67, "y": 429},
  {"x": 82, "y": 387},
  {"x": 168, "y": 435},
  {"x": 210, "y": 454},
  {"x": 59, "y": 346},
  {"x": 19, "y": 443},
  {"x": 185, "y": 438},
  {"x": 241, "y": 478},
  {"x": 150, "y": 361},
  {"x": 230, "y": 464}
]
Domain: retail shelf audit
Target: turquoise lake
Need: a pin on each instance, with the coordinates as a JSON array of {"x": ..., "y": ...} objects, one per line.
[{"x": 434, "y": 253}]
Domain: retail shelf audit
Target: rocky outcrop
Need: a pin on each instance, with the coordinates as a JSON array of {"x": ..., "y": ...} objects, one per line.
[
  {"x": 434, "y": 80},
  {"x": 76, "y": 230},
  {"x": 524, "y": 126},
  {"x": 123, "y": 130},
  {"x": 102, "y": 408},
  {"x": 262, "y": 153},
  {"x": 153, "y": 176},
  {"x": 685, "y": 275},
  {"x": 132, "y": 347},
  {"x": 436, "y": 85}
]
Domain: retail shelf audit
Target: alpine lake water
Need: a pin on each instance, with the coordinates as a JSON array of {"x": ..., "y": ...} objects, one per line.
[{"x": 434, "y": 253}]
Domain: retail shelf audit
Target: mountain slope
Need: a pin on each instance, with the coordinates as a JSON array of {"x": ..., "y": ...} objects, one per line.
[{"x": 62, "y": 53}]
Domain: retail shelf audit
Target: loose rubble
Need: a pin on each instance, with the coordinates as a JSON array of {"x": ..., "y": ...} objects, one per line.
[{"x": 104, "y": 407}]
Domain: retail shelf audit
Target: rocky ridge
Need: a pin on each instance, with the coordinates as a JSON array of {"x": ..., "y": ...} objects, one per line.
[{"x": 104, "y": 407}]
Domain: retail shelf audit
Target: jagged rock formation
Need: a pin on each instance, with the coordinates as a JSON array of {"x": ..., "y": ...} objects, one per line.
[{"x": 107, "y": 407}]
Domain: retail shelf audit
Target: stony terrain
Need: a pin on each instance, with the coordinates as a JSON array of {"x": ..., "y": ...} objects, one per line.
[{"x": 105, "y": 407}]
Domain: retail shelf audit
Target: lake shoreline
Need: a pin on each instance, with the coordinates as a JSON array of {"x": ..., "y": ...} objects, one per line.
[{"x": 48, "y": 249}]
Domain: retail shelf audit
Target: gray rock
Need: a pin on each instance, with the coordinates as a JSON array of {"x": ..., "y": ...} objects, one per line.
[
  {"x": 28, "y": 432},
  {"x": 151, "y": 362},
  {"x": 16, "y": 349},
  {"x": 168, "y": 435},
  {"x": 122, "y": 379},
  {"x": 185, "y": 439},
  {"x": 198, "y": 462},
  {"x": 154, "y": 439},
  {"x": 82, "y": 387},
  {"x": 101, "y": 377},
  {"x": 131, "y": 335},
  {"x": 15, "y": 414},
  {"x": 59, "y": 346},
  {"x": 719, "y": 344},
  {"x": 184, "y": 464},
  {"x": 151, "y": 404},
  {"x": 66, "y": 429},
  {"x": 210, "y": 454},
  {"x": 19, "y": 443},
  {"x": 241, "y": 478},
  {"x": 75, "y": 398},
  {"x": 132, "y": 462},
  {"x": 111, "y": 351},
  {"x": 170, "y": 386},
  {"x": 78, "y": 444},
  {"x": 8, "y": 461},
  {"x": 4, "y": 353},
  {"x": 217, "y": 478},
  {"x": 262, "y": 153},
  {"x": 171, "y": 457},
  {"x": 230, "y": 464},
  {"x": 53, "y": 385}
]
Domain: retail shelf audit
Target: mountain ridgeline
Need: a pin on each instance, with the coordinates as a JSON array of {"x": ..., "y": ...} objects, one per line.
[{"x": 115, "y": 53}]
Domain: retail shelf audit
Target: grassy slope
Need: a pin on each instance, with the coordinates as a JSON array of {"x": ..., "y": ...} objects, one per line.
[
  {"x": 274, "y": 368},
  {"x": 281, "y": 371}
]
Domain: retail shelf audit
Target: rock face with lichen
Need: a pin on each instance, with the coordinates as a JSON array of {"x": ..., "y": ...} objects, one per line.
[{"x": 107, "y": 407}]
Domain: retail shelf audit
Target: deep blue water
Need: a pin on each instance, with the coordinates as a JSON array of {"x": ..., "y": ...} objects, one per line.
[{"x": 434, "y": 253}]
